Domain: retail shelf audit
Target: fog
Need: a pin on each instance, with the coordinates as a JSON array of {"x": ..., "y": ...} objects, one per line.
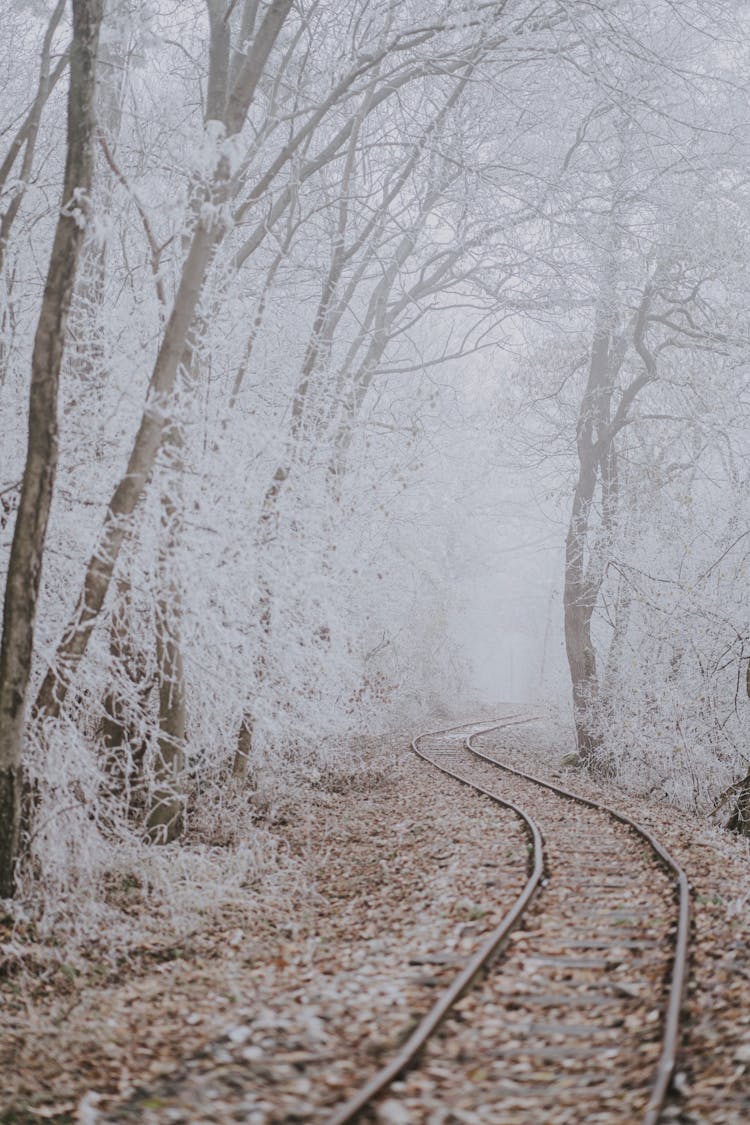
[{"x": 359, "y": 363}]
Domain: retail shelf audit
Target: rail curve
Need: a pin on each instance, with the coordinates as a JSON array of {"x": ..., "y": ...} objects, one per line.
[
  {"x": 495, "y": 941},
  {"x": 678, "y": 976}
]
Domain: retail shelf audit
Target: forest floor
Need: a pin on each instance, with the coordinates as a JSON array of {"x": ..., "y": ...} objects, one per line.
[{"x": 273, "y": 1010}]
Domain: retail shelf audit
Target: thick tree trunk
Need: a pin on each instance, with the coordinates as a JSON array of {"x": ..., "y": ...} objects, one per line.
[{"x": 25, "y": 566}]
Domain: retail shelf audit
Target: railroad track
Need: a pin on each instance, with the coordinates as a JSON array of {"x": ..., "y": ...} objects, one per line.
[{"x": 577, "y": 1017}]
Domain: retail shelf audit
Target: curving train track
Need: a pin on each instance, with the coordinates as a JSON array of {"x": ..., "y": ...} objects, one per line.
[{"x": 579, "y": 1018}]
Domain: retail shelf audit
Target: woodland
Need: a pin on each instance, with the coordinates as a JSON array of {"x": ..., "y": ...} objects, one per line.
[{"x": 318, "y": 319}]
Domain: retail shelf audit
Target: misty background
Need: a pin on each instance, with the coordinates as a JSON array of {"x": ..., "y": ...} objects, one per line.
[{"x": 400, "y": 370}]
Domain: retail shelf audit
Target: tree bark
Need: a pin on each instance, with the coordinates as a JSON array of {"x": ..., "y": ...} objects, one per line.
[
  {"x": 28, "y": 134},
  {"x": 120, "y": 728},
  {"x": 25, "y": 566},
  {"x": 586, "y": 548},
  {"x": 580, "y": 591},
  {"x": 243, "y": 750},
  {"x": 739, "y": 820},
  {"x": 166, "y": 813}
]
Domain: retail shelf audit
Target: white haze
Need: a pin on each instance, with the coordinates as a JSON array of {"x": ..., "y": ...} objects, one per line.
[{"x": 356, "y": 520}]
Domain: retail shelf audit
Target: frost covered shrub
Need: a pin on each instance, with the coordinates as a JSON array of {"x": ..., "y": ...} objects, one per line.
[
  {"x": 676, "y": 643},
  {"x": 288, "y": 551},
  {"x": 325, "y": 633}
]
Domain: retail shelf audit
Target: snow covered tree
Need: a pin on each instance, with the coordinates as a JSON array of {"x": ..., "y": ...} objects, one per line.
[{"x": 29, "y": 536}]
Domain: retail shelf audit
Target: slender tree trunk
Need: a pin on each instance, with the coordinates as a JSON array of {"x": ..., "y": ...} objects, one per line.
[
  {"x": 587, "y": 548},
  {"x": 86, "y": 328},
  {"x": 243, "y": 750},
  {"x": 165, "y": 818},
  {"x": 120, "y": 727},
  {"x": 25, "y": 567},
  {"x": 28, "y": 134},
  {"x": 579, "y": 601},
  {"x": 739, "y": 820}
]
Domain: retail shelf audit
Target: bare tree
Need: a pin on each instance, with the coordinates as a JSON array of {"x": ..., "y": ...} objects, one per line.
[
  {"x": 27, "y": 135},
  {"x": 209, "y": 201},
  {"x": 236, "y": 73},
  {"x": 25, "y": 567}
]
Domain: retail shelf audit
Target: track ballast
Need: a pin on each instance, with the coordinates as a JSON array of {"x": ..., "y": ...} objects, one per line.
[{"x": 577, "y": 1016}]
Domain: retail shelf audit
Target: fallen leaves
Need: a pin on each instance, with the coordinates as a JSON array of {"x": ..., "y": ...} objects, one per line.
[
  {"x": 286, "y": 1005},
  {"x": 275, "y": 1012}
]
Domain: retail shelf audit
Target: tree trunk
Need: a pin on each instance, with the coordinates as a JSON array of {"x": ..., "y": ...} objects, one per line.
[
  {"x": 619, "y": 638},
  {"x": 86, "y": 327},
  {"x": 25, "y": 566},
  {"x": 120, "y": 729},
  {"x": 579, "y": 601},
  {"x": 580, "y": 592},
  {"x": 243, "y": 750},
  {"x": 166, "y": 814},
  {"x": 28, "y": 135},
  {"x": 165, "y": 818},
  {"x": 739, "y": 821}
]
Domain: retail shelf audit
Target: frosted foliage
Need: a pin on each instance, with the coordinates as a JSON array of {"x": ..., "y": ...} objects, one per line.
[
  {"x": 670, "y": 627},
  {"x": 353, "y": 307},
  {"x": 682, "y": 643}
]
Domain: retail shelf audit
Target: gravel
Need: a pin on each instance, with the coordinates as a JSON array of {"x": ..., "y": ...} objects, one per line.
[{"x": 279, "y": 1012}]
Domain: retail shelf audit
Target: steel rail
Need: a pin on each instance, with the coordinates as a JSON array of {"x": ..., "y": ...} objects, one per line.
[
  {"x": 494, "y": 942},
  {"x": 678, "y": 984},
  {"x": 480, "y": 960}
]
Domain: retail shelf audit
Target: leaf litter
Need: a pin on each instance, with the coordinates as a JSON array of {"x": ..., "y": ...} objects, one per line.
[{"x": 277, "y": 1010}]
